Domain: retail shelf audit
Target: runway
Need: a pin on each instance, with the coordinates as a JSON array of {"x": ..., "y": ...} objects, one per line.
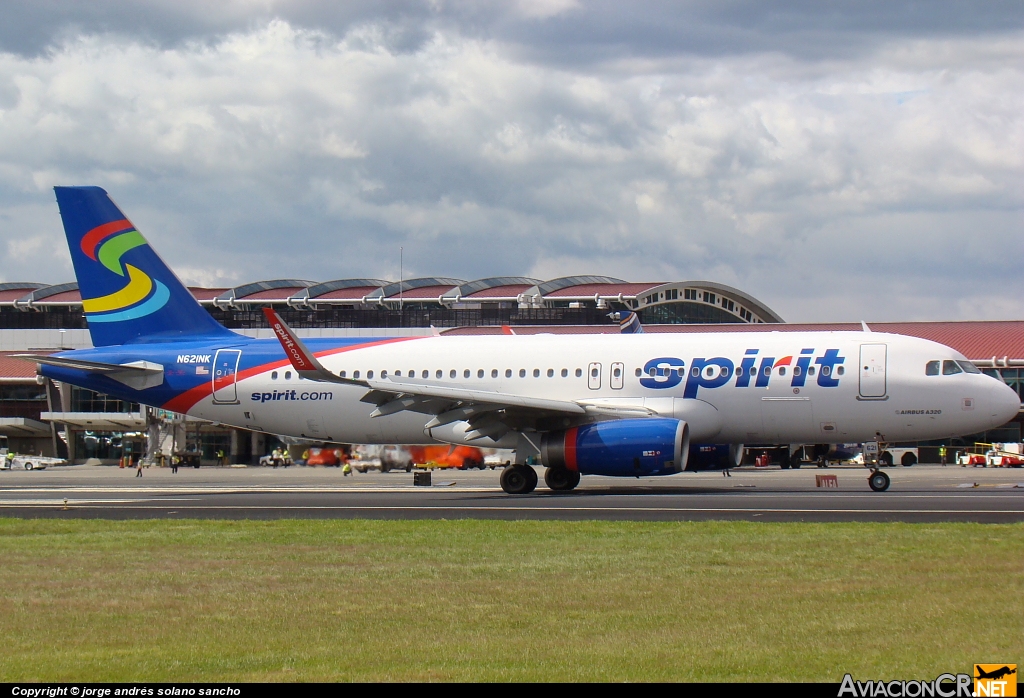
[{"x": 918, "y": 494}]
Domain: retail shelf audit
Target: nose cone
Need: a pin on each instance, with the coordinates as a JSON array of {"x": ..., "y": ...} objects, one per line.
[{"x": 1005, "y": 403}]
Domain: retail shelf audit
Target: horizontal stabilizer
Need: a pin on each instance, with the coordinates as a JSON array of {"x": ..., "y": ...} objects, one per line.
[{"x": 135, "y": 374}]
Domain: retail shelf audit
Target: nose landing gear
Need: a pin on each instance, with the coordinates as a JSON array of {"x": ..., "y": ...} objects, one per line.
[{"x": 878, "y": 481}]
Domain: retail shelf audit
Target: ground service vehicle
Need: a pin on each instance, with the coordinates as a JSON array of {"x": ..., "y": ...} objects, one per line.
[{"x": 625, "y": 405}]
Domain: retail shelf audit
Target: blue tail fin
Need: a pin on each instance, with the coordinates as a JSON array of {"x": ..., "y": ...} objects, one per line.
[{"x": 128, "y": 293}]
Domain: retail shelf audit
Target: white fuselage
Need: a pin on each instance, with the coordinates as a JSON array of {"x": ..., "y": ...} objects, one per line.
[{"x": 844, "y": 387}]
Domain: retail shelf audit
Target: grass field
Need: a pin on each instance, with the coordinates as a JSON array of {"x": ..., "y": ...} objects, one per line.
[{"x": 491, "y": 600}]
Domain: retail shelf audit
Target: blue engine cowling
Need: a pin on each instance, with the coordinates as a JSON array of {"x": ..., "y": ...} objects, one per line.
[
  {"x": 714, "y": 456},
  {"x": 624, "y": 448}
]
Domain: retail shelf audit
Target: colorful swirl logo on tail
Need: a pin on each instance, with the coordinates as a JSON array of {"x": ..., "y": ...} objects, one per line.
[{"x": 141, "y": 296}]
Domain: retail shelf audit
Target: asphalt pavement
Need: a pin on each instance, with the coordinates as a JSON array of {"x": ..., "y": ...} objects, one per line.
[{"x": 922, "y": 493}]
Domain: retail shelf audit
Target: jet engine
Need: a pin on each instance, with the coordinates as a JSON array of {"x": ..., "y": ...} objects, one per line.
[{"x": 623, "y": 448}]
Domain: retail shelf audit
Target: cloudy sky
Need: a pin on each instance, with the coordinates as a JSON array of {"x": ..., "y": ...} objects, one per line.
[{"x": 840, "y": 161}]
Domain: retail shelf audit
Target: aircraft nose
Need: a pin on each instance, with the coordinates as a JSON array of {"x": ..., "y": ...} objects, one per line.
[{"x": 1005, "y": 402}]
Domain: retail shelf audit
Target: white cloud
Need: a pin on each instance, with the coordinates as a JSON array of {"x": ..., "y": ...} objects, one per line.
[{"x": 835, "y": 189}]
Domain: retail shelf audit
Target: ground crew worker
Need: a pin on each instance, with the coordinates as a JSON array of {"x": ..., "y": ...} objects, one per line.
[
  {"x": 942, "y": 454},
  {"x": 346, "y": 469},
  {"x": 174, "y": 463},
  {"x": 138, "y": 468},
  {"x": 220, "y": 456},
  {"x": 275, "y": 457}
]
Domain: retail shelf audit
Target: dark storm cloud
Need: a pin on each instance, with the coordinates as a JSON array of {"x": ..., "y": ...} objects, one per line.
[
  {"x": 563, "y": 32},
  {"x": 840, "y": 163}
]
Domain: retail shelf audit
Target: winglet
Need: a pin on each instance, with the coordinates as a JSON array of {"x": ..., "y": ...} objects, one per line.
[
  {"x": 301, "y": 358},
  {"x": 506, "y": 329}
]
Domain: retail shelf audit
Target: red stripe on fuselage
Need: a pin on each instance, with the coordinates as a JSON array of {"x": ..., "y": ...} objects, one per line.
[
  {"x": 570, "y": 449},
  {"x": 187, "y": 400},
  {"x": 92, "y": 239}
]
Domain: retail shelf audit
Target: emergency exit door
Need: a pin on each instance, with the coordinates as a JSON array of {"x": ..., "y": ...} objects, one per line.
[
  {"x": 594, "y": 376},
  {"x": 225, "y": 369},
  {"x": 872, "y": 370}
]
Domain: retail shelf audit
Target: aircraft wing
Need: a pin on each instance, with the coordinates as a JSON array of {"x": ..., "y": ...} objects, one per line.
[{"x": 503, "y": 411}]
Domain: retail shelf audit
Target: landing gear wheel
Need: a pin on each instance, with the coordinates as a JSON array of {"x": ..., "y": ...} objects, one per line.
[
  {"x": 878, "y": 481},
  {"x": 518, "y": 479},
  {"x": 561, "y": 479}
]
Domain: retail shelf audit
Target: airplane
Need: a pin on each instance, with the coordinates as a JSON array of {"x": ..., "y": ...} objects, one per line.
[
  {"x": 628, "y": 405},
  {"x": 995, "y": 674}
]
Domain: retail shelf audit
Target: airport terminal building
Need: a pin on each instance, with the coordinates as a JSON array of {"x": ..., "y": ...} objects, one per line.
[{"x": 80, "y": 424}]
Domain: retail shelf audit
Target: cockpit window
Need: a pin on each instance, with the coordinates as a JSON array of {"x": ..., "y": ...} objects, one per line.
[
  {"x": 950, "y": 368},
  {"x": 931, "y": 368},
  {"x": 968, "y": 367}
]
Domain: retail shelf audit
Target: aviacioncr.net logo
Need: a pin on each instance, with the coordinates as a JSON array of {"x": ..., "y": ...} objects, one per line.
[
  {"x": 943, "y": 686},
  {"x": 141, "y": 295}
]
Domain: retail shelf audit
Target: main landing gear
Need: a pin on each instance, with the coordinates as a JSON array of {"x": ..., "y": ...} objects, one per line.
[
  {"x": 561, "y": 479},
  {"x": 518, "y": 479},
  {"x": 878, "y": 481}
]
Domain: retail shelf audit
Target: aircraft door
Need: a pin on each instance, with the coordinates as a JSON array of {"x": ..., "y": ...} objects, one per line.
[
  {"x": 225, "y": 368},
  {"x": 616, "y": 378},
  {"x": 872, "y": 370},
  {"x": 594, "y": 376}
]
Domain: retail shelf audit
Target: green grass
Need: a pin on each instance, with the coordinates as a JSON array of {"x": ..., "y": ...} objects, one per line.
[{"x": 492, "y": 600}]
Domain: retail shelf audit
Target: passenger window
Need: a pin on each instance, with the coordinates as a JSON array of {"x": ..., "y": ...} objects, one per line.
[
  {"x": 369, "y": 375},
  {"x": 638, "y": 373},
  {"x": 342, "y": 374},
  {"x": 273, "y": 376},
  {"x": 840, "y": 370},
  {"x": 753, "y": 371},
  {"x": 810, "y": 371},
  {"x": 968, "y": 367},
  {"x": 797, "y": 371},
  {"x": 565, "y": 372},
  {"x": 426, "y": 373},
  {"x": 465, "y": 373},
  {"x": 739, "y": 370},
  {"x": 593, "y": 372},
  {"x": 397, "y": 374},
  {"x": 709, "y": 371},
  {"x": 782, "y": 370},
  {"x": 652, "y": 372},
  {"x": 522, "y": 373},
  {"x": 508, "y": 372},
  {"x": 551, "y": 372},
  {"x": 355, "y": 374},
  {"x": 287, "y": 375},
  {"x": 383, "y": 374},
  {"x": 439, "y": 373},
  {"x": 695, "y": 372},
  {"x": 452, "y": 374},
  {"x": 479, "y": 373},
  {"x": 949, "y": 368},
  {"x": 825, "y": 370},
  {"x": 536, "y": 373},
  {"x": 617, "y": 372},
  {"x": 579, "y": 372},
  {"x": 767, "y": 370},
  {"x": 931, "y": 368},
  {"x": 494, "y": 373}
]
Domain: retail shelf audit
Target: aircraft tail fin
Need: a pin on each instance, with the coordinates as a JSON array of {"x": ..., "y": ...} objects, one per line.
[
  {"x": 629, "y": 322},
  {"x": 128, "y": 293}
]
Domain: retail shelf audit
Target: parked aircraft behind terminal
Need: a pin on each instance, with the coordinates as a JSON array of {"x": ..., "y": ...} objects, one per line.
[{"x": 620, "y": 405}]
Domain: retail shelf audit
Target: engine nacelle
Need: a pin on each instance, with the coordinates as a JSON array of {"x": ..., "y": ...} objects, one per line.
[
  {"x": 623, "y": 448},
  {"x": 714, "y": 456}
]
